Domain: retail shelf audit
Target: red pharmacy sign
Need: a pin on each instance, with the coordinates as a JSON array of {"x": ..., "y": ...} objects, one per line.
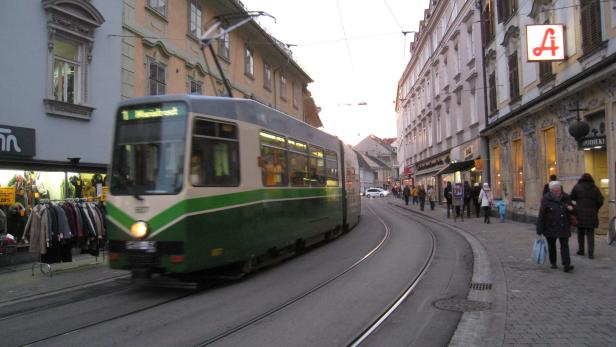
[{"x": 545, "y": 42}]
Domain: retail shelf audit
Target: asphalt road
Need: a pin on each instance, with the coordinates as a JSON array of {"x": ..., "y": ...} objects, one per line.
[{"x": 343, "y": 302}]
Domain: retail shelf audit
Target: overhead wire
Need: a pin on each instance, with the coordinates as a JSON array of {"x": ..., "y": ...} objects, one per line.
[{"x": 345, "y": 34}]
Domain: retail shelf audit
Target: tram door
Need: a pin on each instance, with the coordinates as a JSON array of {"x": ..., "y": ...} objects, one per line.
[{"x": 596, "y": 165}]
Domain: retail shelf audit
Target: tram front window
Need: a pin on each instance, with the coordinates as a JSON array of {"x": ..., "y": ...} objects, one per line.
[{"x": 148, "y": 154}]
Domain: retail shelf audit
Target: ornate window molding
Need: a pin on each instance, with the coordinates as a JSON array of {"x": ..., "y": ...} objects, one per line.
[{"x": 74, "y": 21}]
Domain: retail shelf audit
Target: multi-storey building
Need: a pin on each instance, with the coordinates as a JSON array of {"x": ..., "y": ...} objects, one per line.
[
  {"x": 440, "y": 102},
  {"x": 162, "y": 54},
  {"x": 59, "y": 94},
  {"x": 533, "y": 106},
  {"x": 379, "y": 148}
]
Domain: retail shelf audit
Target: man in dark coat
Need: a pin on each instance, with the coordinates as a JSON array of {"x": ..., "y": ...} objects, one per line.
[
  {"x": 468, "y": 195},
  {"x": 447, "y": 192},
  {"x": 588, "y": 200},
  {"x": 406, "y": 192},
  {"x": 553, "y": 223}
]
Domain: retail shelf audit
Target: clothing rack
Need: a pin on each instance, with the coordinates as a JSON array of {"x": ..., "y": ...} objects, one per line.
[{"x": 46, "y": 268}]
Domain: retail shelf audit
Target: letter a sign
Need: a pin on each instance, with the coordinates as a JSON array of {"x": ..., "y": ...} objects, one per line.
[{"x": 545, "y": 42}]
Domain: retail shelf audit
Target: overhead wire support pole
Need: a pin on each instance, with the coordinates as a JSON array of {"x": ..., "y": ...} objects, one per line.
[{"x": 208, "y": 37}]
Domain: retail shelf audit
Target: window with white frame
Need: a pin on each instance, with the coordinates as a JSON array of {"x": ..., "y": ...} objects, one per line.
[
  {"x": 267, "y": 76},
  {"x": 66, "y": 71},
  {"x": 283, "y": 86},
  {"x": 473, "y": 106},
  {"x": 448, "y": 127},
  {"x": 457, "y": 58},
  {"x": 196, "y": 14},
  {"x": 224, "y": 46},
  {"x": 159, "y": 6},
  {"x": 429, "y": 132},
  {"x": 470, "y": 41},
  {"x": 156, "y": 77},
  {"x": 249, "y": 63},
  {"x": 195, "y": 87},
  {"x": 71, "y": 37},
  {"x": 296, "y": 94},
  {"x": 439, "y": 129}
]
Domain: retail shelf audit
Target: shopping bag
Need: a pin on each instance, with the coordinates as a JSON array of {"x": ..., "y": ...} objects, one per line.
[{"x": 539, "y": 251}]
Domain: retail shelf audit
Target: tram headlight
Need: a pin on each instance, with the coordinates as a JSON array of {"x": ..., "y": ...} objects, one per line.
[{"x": 139, "y": 230}]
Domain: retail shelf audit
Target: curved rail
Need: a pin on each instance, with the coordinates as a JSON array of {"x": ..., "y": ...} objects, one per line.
[
  {"x": 302, "y": 295},
  {"x": 408, "y": 291}
]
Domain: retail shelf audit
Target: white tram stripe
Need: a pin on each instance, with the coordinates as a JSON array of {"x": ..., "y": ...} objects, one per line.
[{"x": 186, "y": 215}]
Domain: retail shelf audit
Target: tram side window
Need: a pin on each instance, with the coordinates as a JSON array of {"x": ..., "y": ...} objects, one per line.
[
  {"x": 298, "y": 163},
  {"x": 215, "y": 155},
  {"x": 273, "y": 160},
  {"x": 317, "y": 167},
  {"x": 331, "y": 166}
]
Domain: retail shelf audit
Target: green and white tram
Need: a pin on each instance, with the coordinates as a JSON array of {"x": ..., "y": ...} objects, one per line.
[{"x": 200, "y": 182}]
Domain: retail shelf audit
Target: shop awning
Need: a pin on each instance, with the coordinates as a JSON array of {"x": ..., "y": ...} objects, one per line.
[{"x": 457, "y": 166}]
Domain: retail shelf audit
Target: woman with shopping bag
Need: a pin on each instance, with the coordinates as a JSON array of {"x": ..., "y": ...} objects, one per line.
[{"x": 553, "y": 223}]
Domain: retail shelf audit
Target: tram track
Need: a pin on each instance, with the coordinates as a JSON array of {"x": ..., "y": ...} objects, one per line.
[
  {"x": 401, "y": 298},
  {"x": 264, "y": 315}
]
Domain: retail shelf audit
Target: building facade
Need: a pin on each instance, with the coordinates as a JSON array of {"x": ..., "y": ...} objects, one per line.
[
  {"x": 534, "y": 106},
  {"x": 440, "y": 105},
  {"x": 162, "y": 54},
  {"x": 60, "y": 93}
]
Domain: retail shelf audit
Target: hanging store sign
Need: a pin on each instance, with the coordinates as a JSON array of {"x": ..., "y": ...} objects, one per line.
[
  {"x": 592, "y": 142},
  {"x": 7, "y": 196},
  {"x": 17, "y": 141},
  {"x": 545, "y": 42}
]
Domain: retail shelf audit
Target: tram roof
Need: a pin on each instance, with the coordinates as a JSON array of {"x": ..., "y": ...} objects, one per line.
[{"x": 245, "y": 110}]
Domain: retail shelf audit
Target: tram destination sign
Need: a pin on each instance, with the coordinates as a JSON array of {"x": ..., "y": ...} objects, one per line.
[
  {"x": 545, "y": 42},
  {"x": 17, "y": 141},
  {"x": 154, "y": 111}
]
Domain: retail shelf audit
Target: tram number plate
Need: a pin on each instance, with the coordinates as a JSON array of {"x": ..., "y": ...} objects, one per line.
[{"x": 148, "y": 246}]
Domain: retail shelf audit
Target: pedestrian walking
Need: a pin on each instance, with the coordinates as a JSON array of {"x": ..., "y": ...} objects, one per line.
[
  {"x": 553, "y": 223},
  {"x": 421, "y": 194},
  {"x": 468, "y": 196},
  {"x": 458, "y": 200},
  {"x": 406, "y": 192},
  {"x": 476, "y": 191},
  {"x": 414, "y": 195},
  {"x": 588, "y": 200},
  {"x": 485, "y": 199},
  {"x": 447, "y": 192},
  {"x": 431, "y": 197}
]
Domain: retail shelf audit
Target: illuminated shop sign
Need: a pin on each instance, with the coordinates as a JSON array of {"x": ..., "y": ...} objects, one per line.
[
  {"x": 593, "y": 142},
  {"x": 16, "y": 141},
  {"x": 159, "y": 111},
  {"x": 545, "y": 42}
]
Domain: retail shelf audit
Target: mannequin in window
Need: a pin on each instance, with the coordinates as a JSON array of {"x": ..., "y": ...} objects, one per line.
[{"x": 78, "y": 184}]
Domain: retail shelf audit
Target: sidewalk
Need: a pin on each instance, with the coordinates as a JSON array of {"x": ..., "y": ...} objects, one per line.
[
  {"x": 536, "y": 305},
  {"x": 20, "y": 282}
]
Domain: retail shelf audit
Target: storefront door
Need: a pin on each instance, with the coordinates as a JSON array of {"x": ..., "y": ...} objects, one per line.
[{"x": 596, "y": 165}]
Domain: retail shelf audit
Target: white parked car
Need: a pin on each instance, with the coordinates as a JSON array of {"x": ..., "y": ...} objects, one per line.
[{"x": 376, "y": 192}]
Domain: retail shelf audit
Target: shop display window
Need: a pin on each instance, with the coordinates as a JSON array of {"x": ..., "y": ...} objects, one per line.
[
  {"x": 497, "y": 189},
  {"x": 549, "y": 153},
  {"x": 518, "y": 173},
  {"x": 31, "y": 186}
]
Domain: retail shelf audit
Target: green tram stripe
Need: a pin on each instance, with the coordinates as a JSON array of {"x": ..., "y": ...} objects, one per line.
[{"x": 204, "y": 204}]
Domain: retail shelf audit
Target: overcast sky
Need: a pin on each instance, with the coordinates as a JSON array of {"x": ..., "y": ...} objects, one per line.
[{"x": 365, "y": 67}]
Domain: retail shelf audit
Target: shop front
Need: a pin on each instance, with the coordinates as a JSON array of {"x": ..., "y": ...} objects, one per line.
[
  {"x": 465, "y": 165},
  {"x": 26, "y": 182},
  {"x": 427, "y": 169}
]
